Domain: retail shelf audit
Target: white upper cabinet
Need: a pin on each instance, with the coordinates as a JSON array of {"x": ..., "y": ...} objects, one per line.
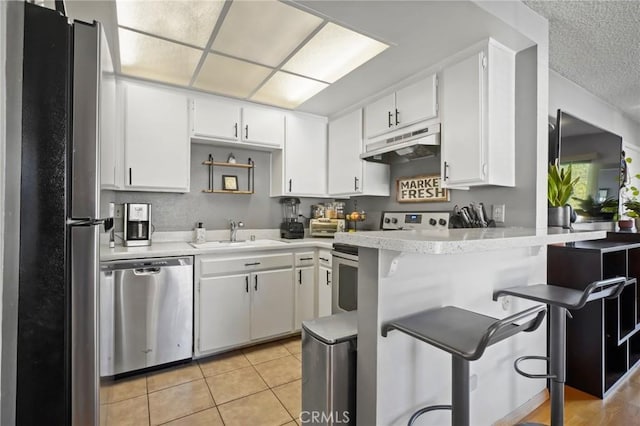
[
  {"x": 478, "y": 119},
  {"x": 110, "y": 143},
  {"x": 348, "y": 174},
  {"x": 157, "y": 149},
  {"x": 380, "y": 116},
  {"x": 263, "y": 126},
  {"x": 223, "y": 121},
  {"x": 407, "y": 106},
  {"x": 215, "y": 119},
  {"x": 301, "y": 168}
]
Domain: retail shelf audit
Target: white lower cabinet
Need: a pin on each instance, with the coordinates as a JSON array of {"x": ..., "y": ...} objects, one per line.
[
  {"x": 224, "y": 314},
  {"x": 237, "y": 303},
  {"x": 271, "y": 304},
  {"x": 324, "y": 293},
  {"x": 305, "y": 295}
]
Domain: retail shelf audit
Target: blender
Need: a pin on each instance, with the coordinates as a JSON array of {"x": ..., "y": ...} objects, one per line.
[{"x": 290, "y": 228}]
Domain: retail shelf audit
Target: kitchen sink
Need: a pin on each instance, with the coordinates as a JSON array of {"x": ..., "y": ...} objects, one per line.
[{"x": 239, "y": 243}]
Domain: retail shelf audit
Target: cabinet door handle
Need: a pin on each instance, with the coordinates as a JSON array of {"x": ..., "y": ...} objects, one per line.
[
  {"x": 446, "y": 170},
  {"x": 246, "y": 282},
  {"x": 290, "y": 180},
  {"x": 397, "y": 117},
  {"x": 252, "y": 264},
  {"x": 255, "y": 287},
  {"x": 306, "y": 258},
  {"x": 235, "y": 127},
  {"x": 325, "y": 259},
  {"x": 129, "y": 175},
  {"x": 355, "y": 183},
  {"x": 389, "y": 119},
  {"x": 246, "y": 131},
  {"x": 300, "y": 277},
  {"x": 328, "y": 279}
]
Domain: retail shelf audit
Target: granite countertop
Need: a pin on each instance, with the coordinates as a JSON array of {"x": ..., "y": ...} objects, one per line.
[
  {"x": 457, "y": 241},
  {"x": 183, "y": 248}
]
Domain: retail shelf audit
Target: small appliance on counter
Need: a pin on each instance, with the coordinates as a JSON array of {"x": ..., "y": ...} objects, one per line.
[
  {"x": 324, "y": 227},
  {"x": 290, "y": 228},
  {"x": 137, "y": 224}
]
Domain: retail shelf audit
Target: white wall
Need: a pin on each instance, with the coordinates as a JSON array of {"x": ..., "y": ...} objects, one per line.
[{"x": 568, "y": 96}]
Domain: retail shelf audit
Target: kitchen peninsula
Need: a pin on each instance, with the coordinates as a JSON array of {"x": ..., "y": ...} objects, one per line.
[{"x": 403, "y": 272}]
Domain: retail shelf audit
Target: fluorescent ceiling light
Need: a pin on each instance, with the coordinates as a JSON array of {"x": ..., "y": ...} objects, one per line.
[
  {"x": 190, "y": 22},
  {"x": 287, "y": 90},
  {"x": 333, "y": 52},
  {"x": 156, "y": 59},
  {"x": 230, "y": 76},
  {"x": 265, "y": 31}
]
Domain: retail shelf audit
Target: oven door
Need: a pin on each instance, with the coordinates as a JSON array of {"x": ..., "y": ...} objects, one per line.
[{"x": 345, "y": 282}]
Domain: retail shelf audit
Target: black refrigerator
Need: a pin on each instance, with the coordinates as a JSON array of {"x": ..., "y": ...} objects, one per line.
[{"x": 57, "y": 370}]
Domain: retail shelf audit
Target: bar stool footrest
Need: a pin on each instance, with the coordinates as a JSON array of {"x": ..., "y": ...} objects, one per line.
[
  {"x": 529, "y": 375},
  {"x": 423, "y": 410}
]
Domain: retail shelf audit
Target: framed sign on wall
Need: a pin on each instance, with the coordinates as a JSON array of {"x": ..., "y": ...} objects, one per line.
[{"x": 420, "y": 189}]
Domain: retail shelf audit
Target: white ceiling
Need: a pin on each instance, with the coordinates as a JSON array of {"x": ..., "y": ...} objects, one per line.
[
  {"x": 421, "y": 34},
  {"x": 596, "y": 44}
]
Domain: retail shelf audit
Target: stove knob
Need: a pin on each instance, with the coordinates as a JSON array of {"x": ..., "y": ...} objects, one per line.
[
  {"x": 387, "y": 220},
  {"x": 442, "y": 222},
  {"x": 394, "y": 220},
  {"x": 432, "y": 222}
]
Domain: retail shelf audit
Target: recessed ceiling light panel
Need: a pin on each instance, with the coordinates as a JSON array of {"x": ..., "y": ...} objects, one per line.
[
  {"x": 264, "y": 31},
  {"x": 190, "y": 22},
  {"x": 156, "y": 59},
  {"x": 333, "y": 52},
  {"x": 230, "y": 76},
  {"x": 287, "y": 90}
]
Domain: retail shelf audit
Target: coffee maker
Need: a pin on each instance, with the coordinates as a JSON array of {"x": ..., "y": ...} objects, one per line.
[
  {"x": 290, "y": 228},
  {"x": 137, "y": 224}
]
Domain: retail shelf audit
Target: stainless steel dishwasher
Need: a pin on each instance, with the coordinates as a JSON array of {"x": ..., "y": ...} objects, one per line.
[{"x": 146, "y": 313}]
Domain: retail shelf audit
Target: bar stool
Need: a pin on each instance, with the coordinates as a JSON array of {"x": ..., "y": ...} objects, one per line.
[
  {"x": 465, "y": 335},
  {"x": 560, "y": 299}
]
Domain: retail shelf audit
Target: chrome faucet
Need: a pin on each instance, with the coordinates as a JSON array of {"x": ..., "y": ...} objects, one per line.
[{"x": 234, "y": 229}]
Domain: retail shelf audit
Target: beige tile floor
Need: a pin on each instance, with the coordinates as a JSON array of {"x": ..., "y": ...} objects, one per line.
[{"x": 254, "y": 386}]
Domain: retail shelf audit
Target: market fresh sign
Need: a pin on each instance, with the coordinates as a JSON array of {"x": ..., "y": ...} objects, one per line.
[{"x": 420, "y": 189}]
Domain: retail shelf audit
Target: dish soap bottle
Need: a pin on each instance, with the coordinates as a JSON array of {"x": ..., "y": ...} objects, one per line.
[{"x": 199, "y": 234}]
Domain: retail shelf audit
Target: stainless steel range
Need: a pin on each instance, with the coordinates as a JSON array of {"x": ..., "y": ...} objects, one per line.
[
  {"x": 394, "y": 221},
  {"x": 345, "y": 257}
]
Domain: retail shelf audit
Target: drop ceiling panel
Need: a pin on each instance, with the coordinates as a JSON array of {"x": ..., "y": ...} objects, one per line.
[
  {"x": 155, "y": 59},
  {"x": 263, "y": 31},
  {"x": 333, "y": 52},
  {"x": 231, "y": 77},
  {"x": 190, "y": 22},
  {"x": 287, "y": 90}
]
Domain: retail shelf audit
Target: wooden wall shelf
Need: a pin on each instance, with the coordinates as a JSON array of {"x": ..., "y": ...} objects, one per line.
[{"x": 249, "y": 166}]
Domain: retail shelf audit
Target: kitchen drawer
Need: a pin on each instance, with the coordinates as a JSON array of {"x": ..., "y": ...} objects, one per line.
[
  {"x": 215, "y": 265},
  {"x": 304, "y": 259},
  {"x": 324, "y": 257}
]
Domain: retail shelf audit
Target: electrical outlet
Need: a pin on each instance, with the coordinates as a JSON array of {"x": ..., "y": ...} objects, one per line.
[
  {"x": 506, "y": 302},
  {"x": 498, "y": 213},
  {"x": 118, "y": 211},
  {"x": 473, "y": 382}
]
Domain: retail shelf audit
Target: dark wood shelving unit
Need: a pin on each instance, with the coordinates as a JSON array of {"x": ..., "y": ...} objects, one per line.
[{"x": 603, "y": 338}]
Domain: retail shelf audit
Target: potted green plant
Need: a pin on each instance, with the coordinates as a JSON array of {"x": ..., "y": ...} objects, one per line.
[
  {"x": 560, "y": 186},
  {"x": 629, "y": 194}
]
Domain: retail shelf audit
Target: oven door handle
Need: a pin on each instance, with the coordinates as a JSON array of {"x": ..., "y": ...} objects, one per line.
[{"x": 345, "y": 256}]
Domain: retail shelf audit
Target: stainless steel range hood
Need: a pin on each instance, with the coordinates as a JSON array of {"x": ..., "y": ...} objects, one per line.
[{"x": 420, "y": 143}]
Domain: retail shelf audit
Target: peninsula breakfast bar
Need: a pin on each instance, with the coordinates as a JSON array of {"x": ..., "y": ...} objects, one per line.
[{"x": 403, "y": 272}]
